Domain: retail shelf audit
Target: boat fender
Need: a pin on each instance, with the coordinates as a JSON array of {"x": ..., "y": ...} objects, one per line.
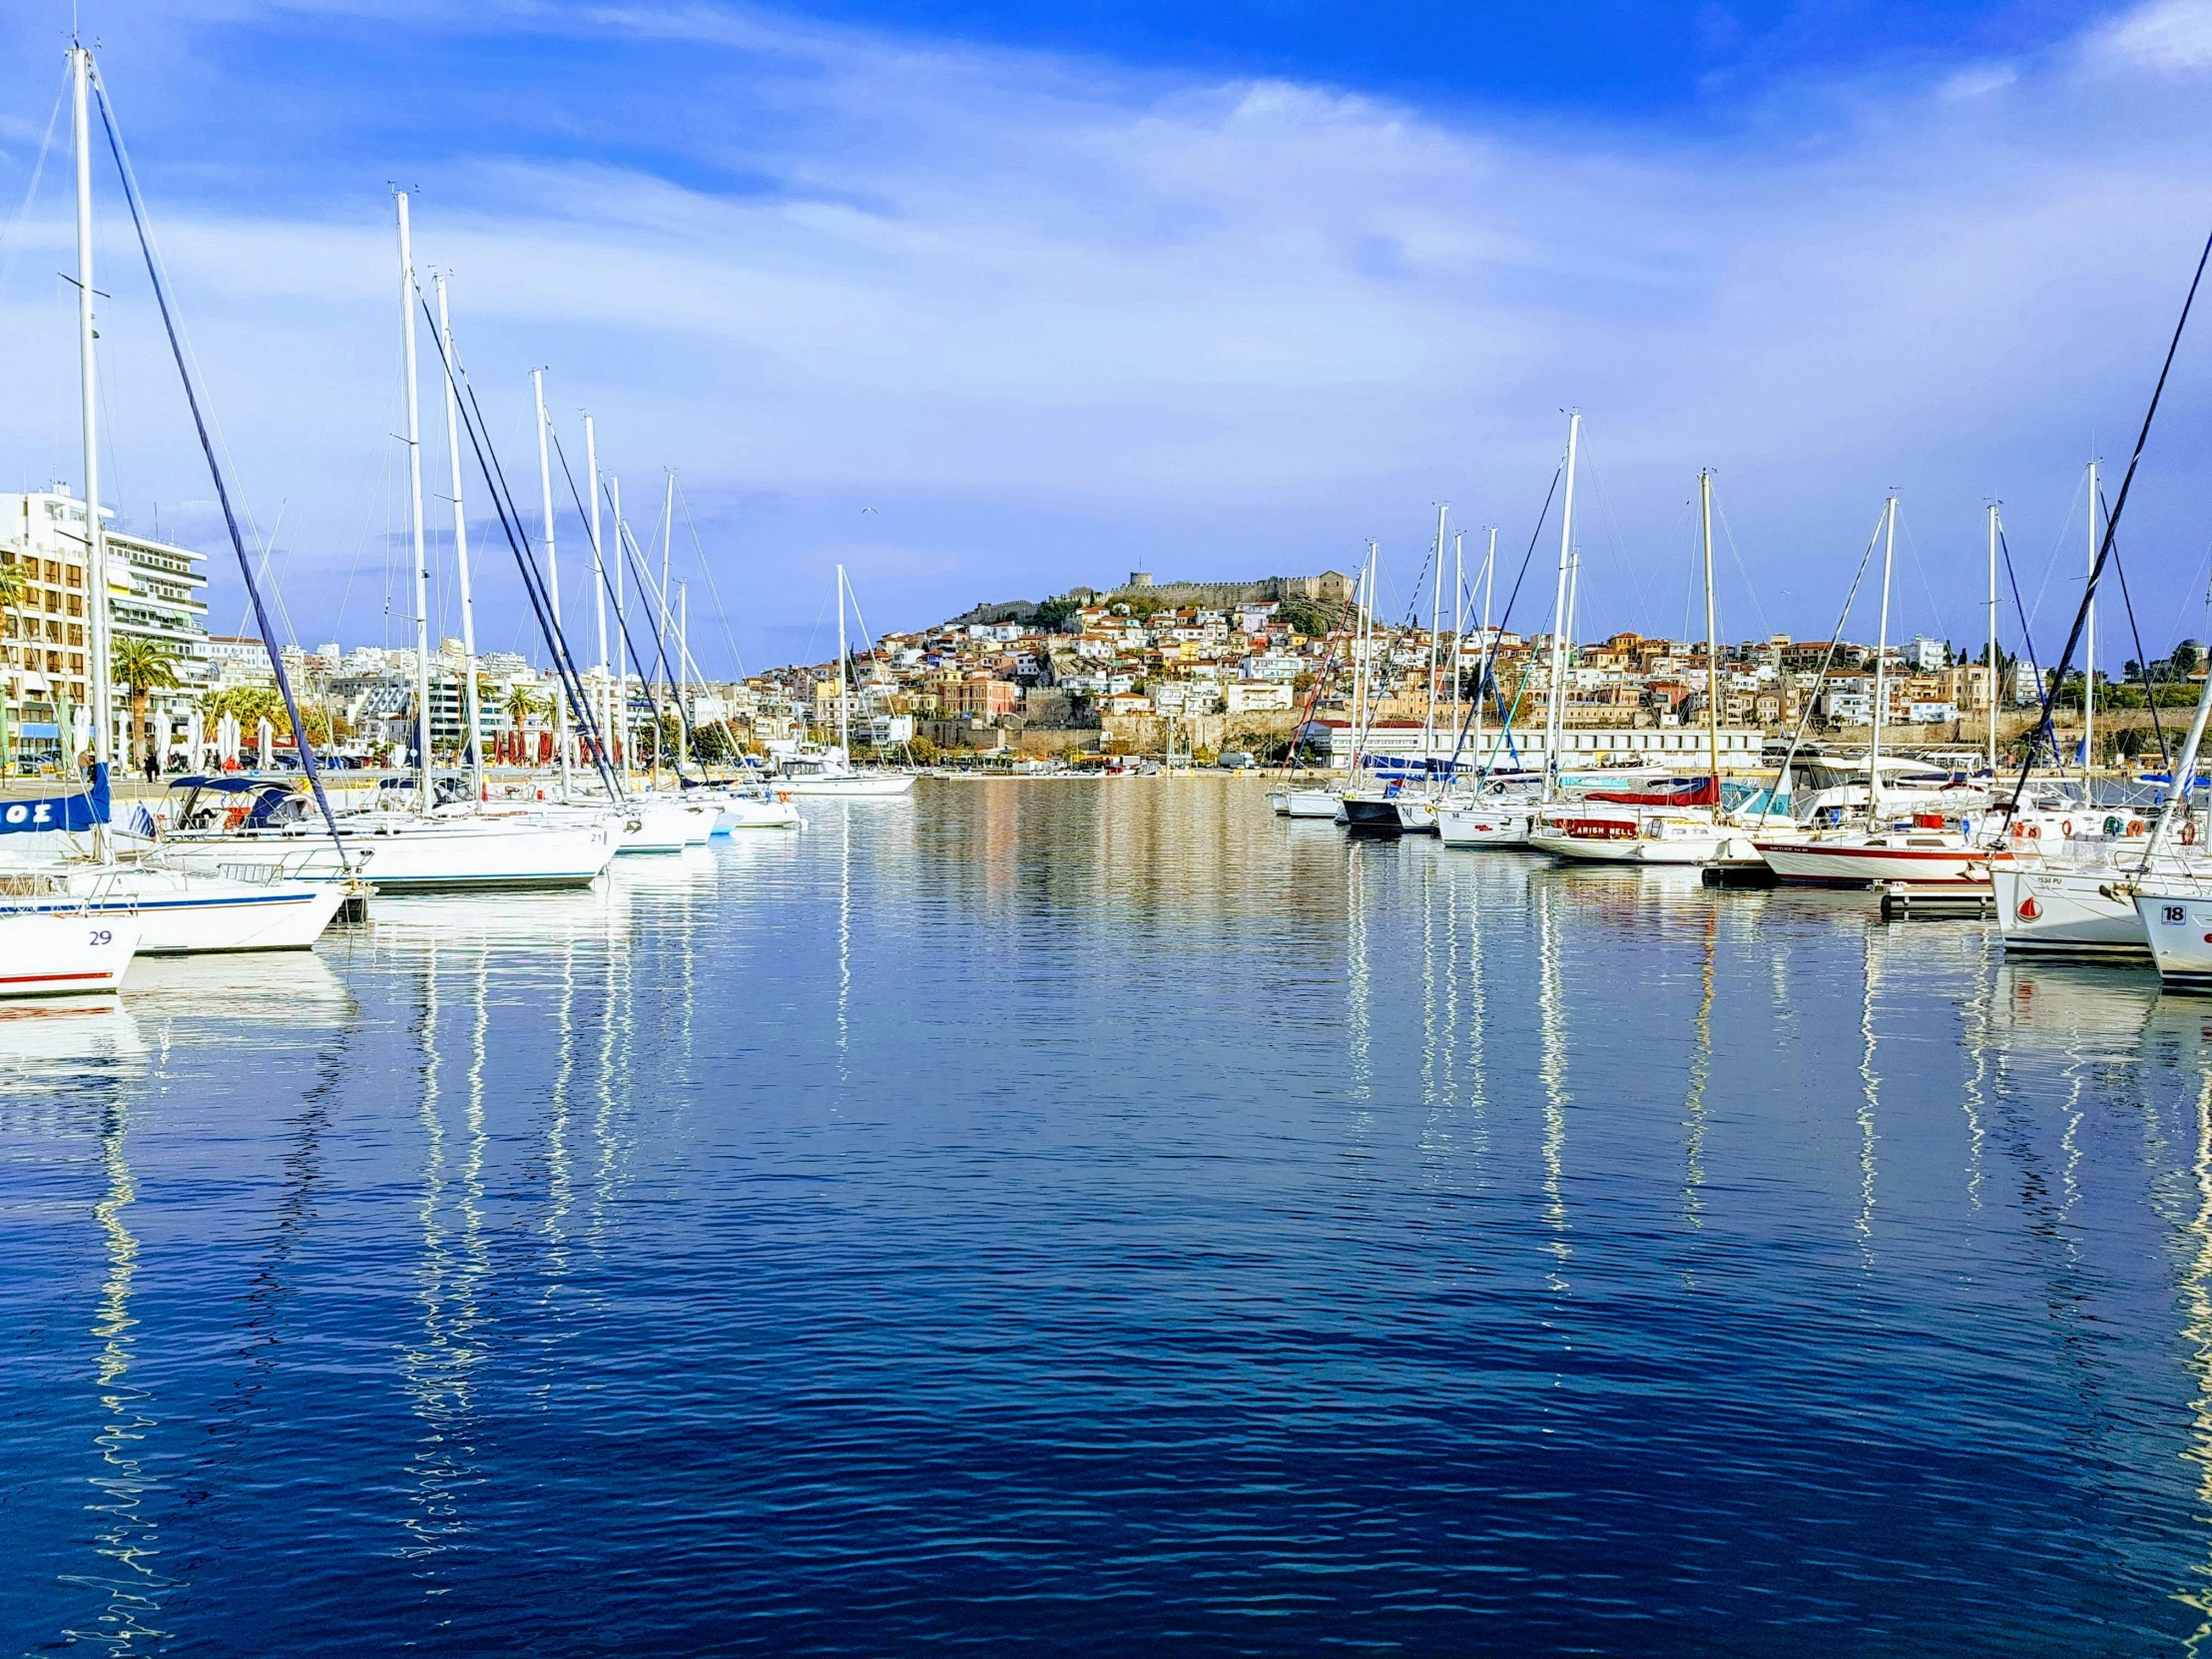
[
  {"x": 2111, "y": 826},
  {"x": 2134, "y": 827},
  {"x": 2066, "y": 829},
  {"x": 2188, "y": 834}
]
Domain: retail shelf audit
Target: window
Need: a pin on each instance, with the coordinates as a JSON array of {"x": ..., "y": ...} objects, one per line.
[
  {"x": 53, "y": 570},
  {"x": 76, "y": 604},
  {"x": 76, "y": 663},
  {"x": 76, "y": 634},
  {"x": 76, "y": 577}
]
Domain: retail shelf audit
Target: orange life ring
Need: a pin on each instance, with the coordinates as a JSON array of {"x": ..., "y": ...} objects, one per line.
[
  {"x": 2066, "y": 829},
  {"x": 2134, "y": 827},
  {"x": 2035, "y": 831}
]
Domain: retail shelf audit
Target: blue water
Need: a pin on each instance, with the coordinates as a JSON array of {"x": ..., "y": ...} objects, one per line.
[{"x": 1105, "y": 1218}]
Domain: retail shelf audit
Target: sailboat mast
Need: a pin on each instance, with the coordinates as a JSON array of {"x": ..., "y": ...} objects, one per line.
[
  {"x": 683, "y": 680},
  {"x": 1484, "y": 659},
  {"x": 471, "y": 710},
  {"x": 1712, "y": 635},
  {"x": 552, "y": 577},
  {"x": 2090, "y": 648},
  {"x": 98, "y": 615},
  {"x": 1992, "y": 659},
  {"x": 1435, "y": 622},
  {"x": 1458, "y": 620},
  {"x": 598, "y": 586},
  {"x": 620, "y": 690},
  {"x": 1556, "y": 715},
  {"x": 845, "y": 684},
  {"x": 1882, "y": 659},
  {"x": 415, "y": 506}
]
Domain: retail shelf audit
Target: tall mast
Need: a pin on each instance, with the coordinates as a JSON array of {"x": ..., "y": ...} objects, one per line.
[
  {"x": 1459, "y": 621},
  {"x": 1556, "y": 715},
  {"x": 471, "y": 712},
  {"x": 598, "y": 589},
  {"x": 667, "y": 538},
  {"x": 1993, "y": 657},
  {"x": 1489, "y": 654},
  {"x": 844, "y": 684},
  {"x": 2090, "y": 648},
  {"x": 1882, "y": 659},
  {"x": 1436, "y": 623},
  {"x": 682, "y": 659},
  {"x": 621, "y": 688},
  {"x": 552, "y": 578},
  {"x": 97, "y": 613},
  {"x": 415, "y": 507},
  {"x": 1362, "y": 635},
  {"x": 1712, "y": 637}
]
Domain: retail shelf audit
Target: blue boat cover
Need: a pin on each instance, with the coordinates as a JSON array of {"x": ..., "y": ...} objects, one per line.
[{"x": 58, "y": 811}]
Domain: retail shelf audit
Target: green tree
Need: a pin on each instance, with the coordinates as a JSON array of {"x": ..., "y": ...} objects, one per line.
[
  {"x": 143, "y": 666},
  {"x": 1055, "y": 611}
]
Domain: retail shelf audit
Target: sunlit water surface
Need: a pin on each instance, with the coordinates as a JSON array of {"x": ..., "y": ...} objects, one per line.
[{"x": 1102, "y": 1217}]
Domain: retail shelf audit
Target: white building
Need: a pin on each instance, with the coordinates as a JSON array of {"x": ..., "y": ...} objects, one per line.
[{"x": 155, "y": 591}]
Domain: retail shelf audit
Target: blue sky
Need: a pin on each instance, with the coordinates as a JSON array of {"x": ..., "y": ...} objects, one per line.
[{"x": 987, "y": 300}]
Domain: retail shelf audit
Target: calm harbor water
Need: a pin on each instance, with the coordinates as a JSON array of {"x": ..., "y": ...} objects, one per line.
[{"x": 1100, "y": 1218}]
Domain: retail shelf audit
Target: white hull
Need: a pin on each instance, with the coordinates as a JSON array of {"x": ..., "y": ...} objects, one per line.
[
  {"x": 2177, "y": 924},
  {"x": 1417, "y": 815},
  {"x": 63, "y": 952},
  {"x": 463, "y": 855},
  {"x": 1305, "y": 802},
  {"x": 1848, "y": 864},
  {"x": 748, "y": 813},
  {"x": 1485, "y": 825},
  {"x": 2063, "y": 912},
  {"x": 181, "y": 915}
]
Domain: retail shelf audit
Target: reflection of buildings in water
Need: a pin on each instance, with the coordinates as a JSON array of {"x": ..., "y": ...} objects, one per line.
[
  {"x": 126, "y": 1534},
  {"x": 1552, "y": 1067}
]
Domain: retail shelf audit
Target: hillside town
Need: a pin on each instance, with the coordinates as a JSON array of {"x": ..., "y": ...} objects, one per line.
[{"x": 1144, "y": 668}]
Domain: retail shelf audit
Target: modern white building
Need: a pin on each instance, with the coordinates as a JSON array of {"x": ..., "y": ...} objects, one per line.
[{"x": 155, "y": 591}]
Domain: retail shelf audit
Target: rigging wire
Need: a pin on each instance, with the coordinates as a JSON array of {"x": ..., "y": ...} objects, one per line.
[{"x": 2119, "y": 505}]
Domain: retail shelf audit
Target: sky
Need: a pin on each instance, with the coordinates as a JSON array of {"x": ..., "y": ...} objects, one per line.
[{"x": 985, "y": 299}]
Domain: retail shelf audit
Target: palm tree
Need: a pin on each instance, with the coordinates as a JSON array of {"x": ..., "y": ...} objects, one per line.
[
  {"x": 144, "y": 666},
  {"x": 521, "y": 704}
]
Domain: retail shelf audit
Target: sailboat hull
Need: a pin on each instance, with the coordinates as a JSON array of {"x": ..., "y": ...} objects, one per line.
[
  {"x": 63, "y": 952},
  {"x": 2051, "y": 912}
]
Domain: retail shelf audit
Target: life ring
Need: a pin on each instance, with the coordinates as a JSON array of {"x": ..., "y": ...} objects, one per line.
[
  {"x": 2188, "y": 834},
  {"x": 2035, "y": 831},
  {"x": 2134, "y": 827},
  {"x": 2066, "y": 829}
]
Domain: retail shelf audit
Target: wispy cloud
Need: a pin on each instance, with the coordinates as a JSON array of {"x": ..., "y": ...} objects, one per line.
[{"x": 1057, "y": 319}]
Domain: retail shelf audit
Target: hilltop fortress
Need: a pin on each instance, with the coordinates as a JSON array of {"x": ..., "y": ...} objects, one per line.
[{"x": 1329, "y": 588}]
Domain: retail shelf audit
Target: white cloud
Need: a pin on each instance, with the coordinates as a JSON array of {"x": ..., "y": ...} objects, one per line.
[{"x": 2164, "y": 34}]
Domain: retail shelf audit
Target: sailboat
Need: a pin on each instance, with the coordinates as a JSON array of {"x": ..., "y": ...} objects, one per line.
[
  {"x": 156, "y": 907},
  {"x": 1922, "y": 847},
  {"x": 809, "y": 770},
  {"x": 418, "y": 845}
]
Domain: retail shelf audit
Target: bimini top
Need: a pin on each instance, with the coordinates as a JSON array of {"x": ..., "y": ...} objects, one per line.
[{"x": 236, "y": 782}]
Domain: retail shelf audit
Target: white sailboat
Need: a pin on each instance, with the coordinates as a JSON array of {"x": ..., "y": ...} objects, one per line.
[
  {"x": 165, "y": 910},
  {"x": 810, "y": 771}
]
